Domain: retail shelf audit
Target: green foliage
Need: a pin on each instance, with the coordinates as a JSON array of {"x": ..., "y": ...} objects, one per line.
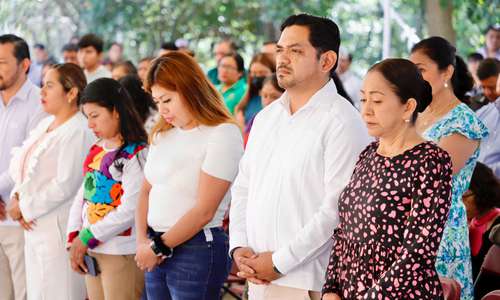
[{"x": 142, "y": 25}]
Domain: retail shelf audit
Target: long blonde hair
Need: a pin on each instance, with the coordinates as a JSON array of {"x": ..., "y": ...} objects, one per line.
[{"x": 176, "y": 71}]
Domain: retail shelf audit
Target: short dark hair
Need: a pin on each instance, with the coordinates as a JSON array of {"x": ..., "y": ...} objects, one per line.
[
  {"x": 324, "y": 34},
  {"x": 91, "y": 40},
  {"x": 443, "y": 53},
  {"x": 69, "y": 48},
  {"x": 21, "y": 49},
  {"x": 169, "y": 46},
  {"x": 406, "y": 82},
  {"x": 486, "y": 188},
  {"x": 39, "y": 46},
  {"x": 488, "y": 68},
  {"x": 475, "y": 57}
]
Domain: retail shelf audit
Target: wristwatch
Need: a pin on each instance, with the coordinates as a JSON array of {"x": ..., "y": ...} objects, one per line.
[{"x": 160, "y": 249}]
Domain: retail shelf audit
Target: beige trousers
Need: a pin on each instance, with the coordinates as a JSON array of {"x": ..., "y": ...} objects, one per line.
[
  {"x": 120, "y": 278},
  {"x": 276, "y": 292},
  {"x": 12, "y": 271}
]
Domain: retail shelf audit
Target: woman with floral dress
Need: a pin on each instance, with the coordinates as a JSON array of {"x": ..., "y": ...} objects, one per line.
[
  {"x": 393, "y": 211},
  {"x": 455, "y": 128}
]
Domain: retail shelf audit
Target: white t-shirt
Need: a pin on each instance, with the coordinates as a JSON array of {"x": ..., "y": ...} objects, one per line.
[
  {"x": 173, "y": 167},
  {"x": 100, "y": 72}
]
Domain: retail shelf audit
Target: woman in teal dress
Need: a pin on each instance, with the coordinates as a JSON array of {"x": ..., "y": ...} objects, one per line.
[{"x": 450, "y": 123}]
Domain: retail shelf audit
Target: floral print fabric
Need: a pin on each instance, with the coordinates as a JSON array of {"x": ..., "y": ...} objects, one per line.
[
  {"x": 454, "y": 257},
  {"x": 392, "y": 215}
]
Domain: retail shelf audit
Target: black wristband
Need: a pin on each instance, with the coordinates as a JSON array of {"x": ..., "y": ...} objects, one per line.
[{"x": 164, "y": 249}]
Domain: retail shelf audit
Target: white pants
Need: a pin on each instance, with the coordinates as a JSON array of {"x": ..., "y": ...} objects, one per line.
[
  {"x": 277, "y": 292},
  {"x": 48, "y": 271},
  {"x": 12, "y": 274}
]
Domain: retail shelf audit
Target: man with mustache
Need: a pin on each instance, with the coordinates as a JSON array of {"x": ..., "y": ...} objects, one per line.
[
  {"x": 299, "y": 157},
  {"x": 20, "y": 111}
]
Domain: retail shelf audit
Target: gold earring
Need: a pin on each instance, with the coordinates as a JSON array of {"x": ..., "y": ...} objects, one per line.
[
  {"x": 446, "y": 84},
  {"x": 407, "y": 121}
]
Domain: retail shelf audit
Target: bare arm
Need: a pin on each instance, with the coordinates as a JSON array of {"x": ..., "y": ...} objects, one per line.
[
  {"x": 211, "y": 191},
  {"x": 459, "y": 148},
  {"x": 142, "y": 213}
]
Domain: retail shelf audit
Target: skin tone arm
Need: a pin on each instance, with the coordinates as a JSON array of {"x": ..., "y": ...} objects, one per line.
[{"x": 460, "y": 149}]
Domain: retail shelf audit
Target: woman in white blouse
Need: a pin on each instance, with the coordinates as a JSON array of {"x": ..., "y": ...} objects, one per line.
[
  {"x": 47, "y": 173},
  {"x": 193, "y": 158}
]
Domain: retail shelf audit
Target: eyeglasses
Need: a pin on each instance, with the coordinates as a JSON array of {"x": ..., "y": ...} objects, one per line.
[{"x": 227, "y": 67}]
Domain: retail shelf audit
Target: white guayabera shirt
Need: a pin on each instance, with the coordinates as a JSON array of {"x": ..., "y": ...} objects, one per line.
[{"x": 284, "y": 198}]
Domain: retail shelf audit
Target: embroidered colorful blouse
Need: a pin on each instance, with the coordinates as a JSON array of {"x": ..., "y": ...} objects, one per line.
[{"x": 108, "y": 197}]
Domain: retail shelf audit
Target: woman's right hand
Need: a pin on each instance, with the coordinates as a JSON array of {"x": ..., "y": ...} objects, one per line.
[
  {"x": 76, "y": 253},
  {"x": 331, "y": 296},
  {"x": 145, "y": 258}
]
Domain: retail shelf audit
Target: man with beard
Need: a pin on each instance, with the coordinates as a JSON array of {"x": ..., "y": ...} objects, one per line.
[
  {"x": 300, "y": 155},
  {"x": 20, "y": 111}
]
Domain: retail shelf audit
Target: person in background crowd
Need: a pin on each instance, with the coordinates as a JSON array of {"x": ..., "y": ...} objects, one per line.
[
  {"x": 473, "y": 61},
  {"x": 455, "y": 128},
  {"x": 123, "y": 69},
  {"x": 90, "y": 48},
  {"x": 476, "y": 98},
  {"x": 386, "y": 243},
  {"x": 143, "y": 102},
  {"x": 482, "y": 201},
  {"x": 300, "y": 155},
  {"x": 42, "y": 58},
  {"x": 115, "y": 53},
  {"x": 101, "y": 222},
  {"x": 46, "y": 170},
  {"x": 270, "y": 92},
  {"x": 70, "y": 53},
  {"x": 143, "y": 66},
  {"x": 350, "y": 81},
  {"x": 260, "y": 67},
  {"x": 488, "y": 73},
  {"x": 232, "y": 82},
  {"x": 492, "y": 45},
  {"x": 167, "y": 47},
  {"x": 221, "y": 49},
  {"x": 269, "y": 48},
  {"x": 194, "y": 155},
  {"x": 20, "y": 112}
]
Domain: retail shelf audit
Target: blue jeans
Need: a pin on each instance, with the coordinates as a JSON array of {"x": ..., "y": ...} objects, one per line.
[{"x": 196, "y": 271}]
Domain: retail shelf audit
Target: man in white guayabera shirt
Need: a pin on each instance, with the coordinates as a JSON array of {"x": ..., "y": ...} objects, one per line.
[
  {"x": 300, "y": 155},
  {"x": 20, "y": 111}
]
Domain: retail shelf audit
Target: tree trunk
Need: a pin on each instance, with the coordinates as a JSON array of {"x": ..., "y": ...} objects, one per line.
[{"x": 438, "y": 16}]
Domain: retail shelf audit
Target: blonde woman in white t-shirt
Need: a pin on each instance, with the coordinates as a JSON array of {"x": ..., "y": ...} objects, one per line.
[{"x": 195, "y": 150}]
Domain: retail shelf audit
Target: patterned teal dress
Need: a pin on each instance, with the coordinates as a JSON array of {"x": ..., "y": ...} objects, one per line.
[{"x": 454, "y": 257}]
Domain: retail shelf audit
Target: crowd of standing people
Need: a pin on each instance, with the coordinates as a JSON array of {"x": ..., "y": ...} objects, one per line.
[{"x": 117, "y": 181}]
